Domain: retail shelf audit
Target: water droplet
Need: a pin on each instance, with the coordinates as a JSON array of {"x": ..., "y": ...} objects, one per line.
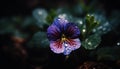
[
  {"x": 118, "y": 43},
  {"x": 65, "y": 44},
  {"x": 83, "y": 30},
  {"x": 89, "y": 43},
  {"x": 80, "y": 22}
]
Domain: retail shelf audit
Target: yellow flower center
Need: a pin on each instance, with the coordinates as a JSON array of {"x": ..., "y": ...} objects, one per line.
[{"x": 63, "y": 38}]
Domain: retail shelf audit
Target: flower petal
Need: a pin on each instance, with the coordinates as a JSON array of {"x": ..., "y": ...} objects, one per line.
[
  {"x": 60, "y": 23},
  {"x": 53, "y": 33},
  {"x": 67, "y": 50},
  {"x": 56, "y": 46},
  {"x": 71, "y": 30},
  {"x": 70, "y": 45}
]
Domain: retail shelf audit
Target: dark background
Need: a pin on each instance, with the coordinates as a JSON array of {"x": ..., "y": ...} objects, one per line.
[{"x": 24, "y": 7}]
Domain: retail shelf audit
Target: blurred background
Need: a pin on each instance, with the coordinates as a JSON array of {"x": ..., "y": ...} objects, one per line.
[
  {"x": 24, "y": 44},
  {"x": 25, "y": 7}
]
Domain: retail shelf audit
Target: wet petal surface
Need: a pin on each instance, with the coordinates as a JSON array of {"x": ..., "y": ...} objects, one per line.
[
  {"x": 53, "y": 33},
  {"x": 72, "y": 31},
  {"x": 56, "y": 46}
]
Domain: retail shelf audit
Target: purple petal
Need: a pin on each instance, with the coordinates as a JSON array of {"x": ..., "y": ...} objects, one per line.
[
  {"x": 56, "y": 46},
  {"x": 53, "y": 33},
  {"x": 70, "y": 45},
  {"x": 67, "y": 50},
  {"x": 60, "y": 22},
  {"x": 71, "y": 30}
]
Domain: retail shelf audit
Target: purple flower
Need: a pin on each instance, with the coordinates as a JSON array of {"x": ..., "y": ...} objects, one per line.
[{"x": 63, "y": 36}]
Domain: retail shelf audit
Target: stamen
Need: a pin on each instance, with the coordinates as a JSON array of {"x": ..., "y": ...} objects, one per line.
[{"x": 63, "y": 38}]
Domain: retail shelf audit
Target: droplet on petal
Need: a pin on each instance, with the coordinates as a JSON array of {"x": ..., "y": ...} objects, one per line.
[
  {"x": 71, "y": 45},
  {"x": 67, "y": 50}
]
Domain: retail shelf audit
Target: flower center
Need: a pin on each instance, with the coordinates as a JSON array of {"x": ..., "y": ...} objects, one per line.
[{"x": 63, "y": 38}]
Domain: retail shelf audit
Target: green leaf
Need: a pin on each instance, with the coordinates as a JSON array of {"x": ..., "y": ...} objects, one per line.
[
  {"x": 40, "y": 15},
  {"x": 91, "y": 42}
]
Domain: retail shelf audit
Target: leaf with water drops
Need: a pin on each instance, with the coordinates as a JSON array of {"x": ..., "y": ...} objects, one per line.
[
  {"x": 102, "y": 29},
  {"x": 104, "y": 25},
  {"x": 40, "y": 15},
  {"x": 91, "y": 42}
]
